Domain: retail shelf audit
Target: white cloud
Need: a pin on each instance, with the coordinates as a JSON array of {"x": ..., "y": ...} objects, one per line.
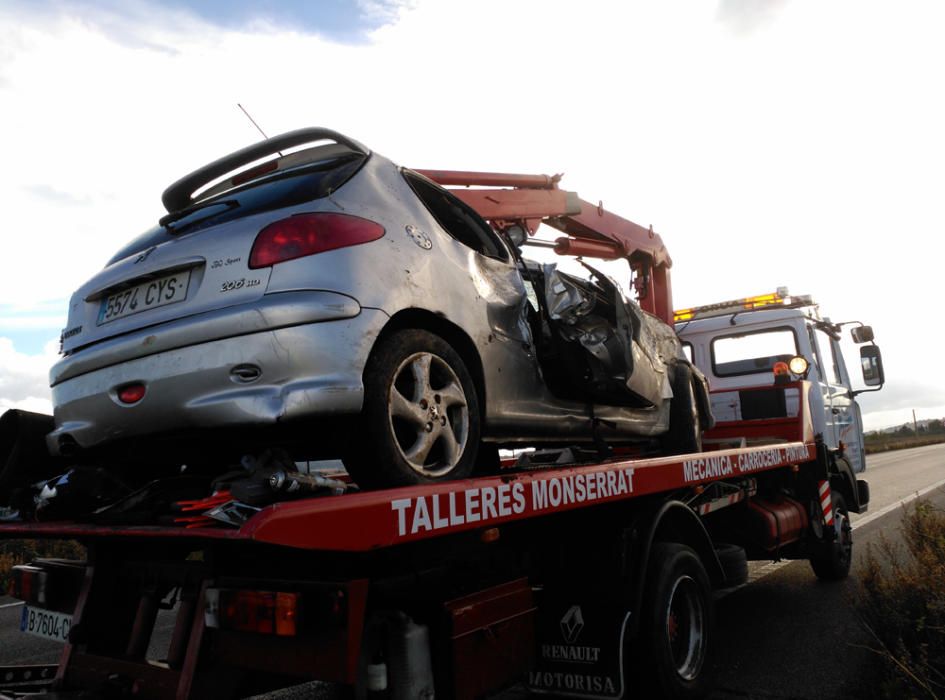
[
  {"x": 32, "y": 403},
  {"x": 24, "y": 379},
  {"x": 33, "y": 322},
  {"x": 384, "y": 12},
  {"x": 798, "y": 149}
]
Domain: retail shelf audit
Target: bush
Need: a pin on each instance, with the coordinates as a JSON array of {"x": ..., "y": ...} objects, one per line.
[
  {"x": 13, "y": 552},
  {"x": 902, "y": 602},
  {"x": 886, "y": 442}
]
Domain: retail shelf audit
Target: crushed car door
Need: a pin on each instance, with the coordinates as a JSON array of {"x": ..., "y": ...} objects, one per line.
[{"x": 599, "y": 346}]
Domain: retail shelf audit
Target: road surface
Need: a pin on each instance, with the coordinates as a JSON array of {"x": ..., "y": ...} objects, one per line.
[
  {"x": 787, "y": 635},
  {"x": 784, "y": 635}
]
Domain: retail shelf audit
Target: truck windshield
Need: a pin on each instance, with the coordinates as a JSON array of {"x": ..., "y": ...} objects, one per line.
[{"x": 752, "y": 353}]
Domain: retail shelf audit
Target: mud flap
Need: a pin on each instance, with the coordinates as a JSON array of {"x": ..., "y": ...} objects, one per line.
[{"x": 581, "y": 640}]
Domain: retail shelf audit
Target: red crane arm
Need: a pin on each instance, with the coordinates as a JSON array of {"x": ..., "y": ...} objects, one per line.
[{"x": 527, "y": 200}]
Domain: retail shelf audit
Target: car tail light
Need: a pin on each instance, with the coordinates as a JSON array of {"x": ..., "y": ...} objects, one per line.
[
  {"x": 48, "y": 584},
  {"x": 29, "y": 584},
  {"x": 308, "y": 234}
]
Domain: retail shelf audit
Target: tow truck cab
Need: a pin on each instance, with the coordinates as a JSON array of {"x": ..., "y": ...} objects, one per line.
[{"x": 764, "y": 340}]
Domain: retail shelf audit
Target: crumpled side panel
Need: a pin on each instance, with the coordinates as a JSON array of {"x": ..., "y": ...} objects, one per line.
[
  {"x": 629, "y": 350},
  {"x": 567, "y": 301}
]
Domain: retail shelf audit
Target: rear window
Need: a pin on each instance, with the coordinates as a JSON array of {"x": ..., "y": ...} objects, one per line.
[
  {"x": 297, "y": 186},
  {"x": 752, "y": 353},
  {"x": 457, "y": 218}
]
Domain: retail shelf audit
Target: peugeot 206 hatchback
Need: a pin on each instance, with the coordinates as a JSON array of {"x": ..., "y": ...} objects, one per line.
[{"x": 307, "y": 293}]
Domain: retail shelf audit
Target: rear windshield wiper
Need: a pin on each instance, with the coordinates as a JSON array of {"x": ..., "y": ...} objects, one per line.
[{"x": 177, "y": 216}]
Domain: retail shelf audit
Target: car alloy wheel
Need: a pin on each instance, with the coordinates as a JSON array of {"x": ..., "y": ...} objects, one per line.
[
  {"x": 421, "y": 420},
  {"x": 429, "y": 414}
]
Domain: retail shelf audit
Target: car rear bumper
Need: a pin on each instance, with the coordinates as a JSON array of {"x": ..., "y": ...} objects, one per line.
[
  {"x": 272, "y": 311},
  {"x": 254, "y": 379}
]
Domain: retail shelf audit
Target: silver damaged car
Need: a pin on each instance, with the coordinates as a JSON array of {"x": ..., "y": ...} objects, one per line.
[{"x": 307, "y": 293}]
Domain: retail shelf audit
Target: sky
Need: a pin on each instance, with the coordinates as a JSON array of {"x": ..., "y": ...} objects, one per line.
[{"x": 771, "y": 143}]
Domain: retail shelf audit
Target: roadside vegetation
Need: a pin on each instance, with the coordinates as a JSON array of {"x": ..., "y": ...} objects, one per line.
[
  {"x": 930, "y": 433},
  {"x": 902, "y": 603},
  {"x": 13, "y": 552}
]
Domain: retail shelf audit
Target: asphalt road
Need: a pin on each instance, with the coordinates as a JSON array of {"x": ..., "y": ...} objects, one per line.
[
  {"x": 787, "y": 635},
  {"x": 19, "y": 648},
  {"x": 784, "y": 635}
]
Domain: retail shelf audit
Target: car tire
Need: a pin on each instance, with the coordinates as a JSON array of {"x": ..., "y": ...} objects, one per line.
[
  {"x": 832, "y": 563},
  {"x": 685, "y": 432},
  {"x": 420, "y": 420},
  {"x": 677, "y": 620}
]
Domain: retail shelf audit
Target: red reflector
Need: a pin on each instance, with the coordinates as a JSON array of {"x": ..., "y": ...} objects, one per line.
[
  {"x": 286, "y": 604},
  {"x": 264, "y": 612},
  {"x": 131, "y": 393},
  {"x": 308, "y": 234}
]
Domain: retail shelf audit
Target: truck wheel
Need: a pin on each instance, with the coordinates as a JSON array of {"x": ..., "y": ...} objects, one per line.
[
  {"x": 420, "y": 421},
  {"x": 676, "y": 622},
  {"x": 685, "y": 434},
  {"x": 833, "y": 562}
]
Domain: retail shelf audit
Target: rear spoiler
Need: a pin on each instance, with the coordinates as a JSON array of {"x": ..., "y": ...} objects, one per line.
[{"x": 180, "y": 194}]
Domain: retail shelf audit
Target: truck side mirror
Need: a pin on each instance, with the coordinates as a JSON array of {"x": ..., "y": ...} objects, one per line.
[
  {"x": 862, "y": 334},
  {"x": 872, "y": 363}
]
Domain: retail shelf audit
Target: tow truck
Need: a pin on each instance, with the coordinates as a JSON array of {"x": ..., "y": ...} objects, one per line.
[
  {"x": 739, "y": 343},
  {"x": 573, "y": 573}
]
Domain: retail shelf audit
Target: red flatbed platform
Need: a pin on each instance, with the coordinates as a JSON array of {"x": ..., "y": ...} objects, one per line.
[{"x": 362, "y": 522}]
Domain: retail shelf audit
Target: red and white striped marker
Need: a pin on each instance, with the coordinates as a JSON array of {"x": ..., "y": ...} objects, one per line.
[{"x": 826, "y": 503}]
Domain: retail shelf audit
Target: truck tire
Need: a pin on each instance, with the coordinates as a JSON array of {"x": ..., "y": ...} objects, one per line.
[
  {"x": 676, "y": 621},
  {"x": 832, "y": 563},
  {"x": 685, "y": 433}
]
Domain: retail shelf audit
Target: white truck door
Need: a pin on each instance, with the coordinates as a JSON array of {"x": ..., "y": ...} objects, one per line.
[
  {"x": 817, "y": 375},
  {"x": 850, "y": 422},
  {"x": 841, "y": 412}
]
